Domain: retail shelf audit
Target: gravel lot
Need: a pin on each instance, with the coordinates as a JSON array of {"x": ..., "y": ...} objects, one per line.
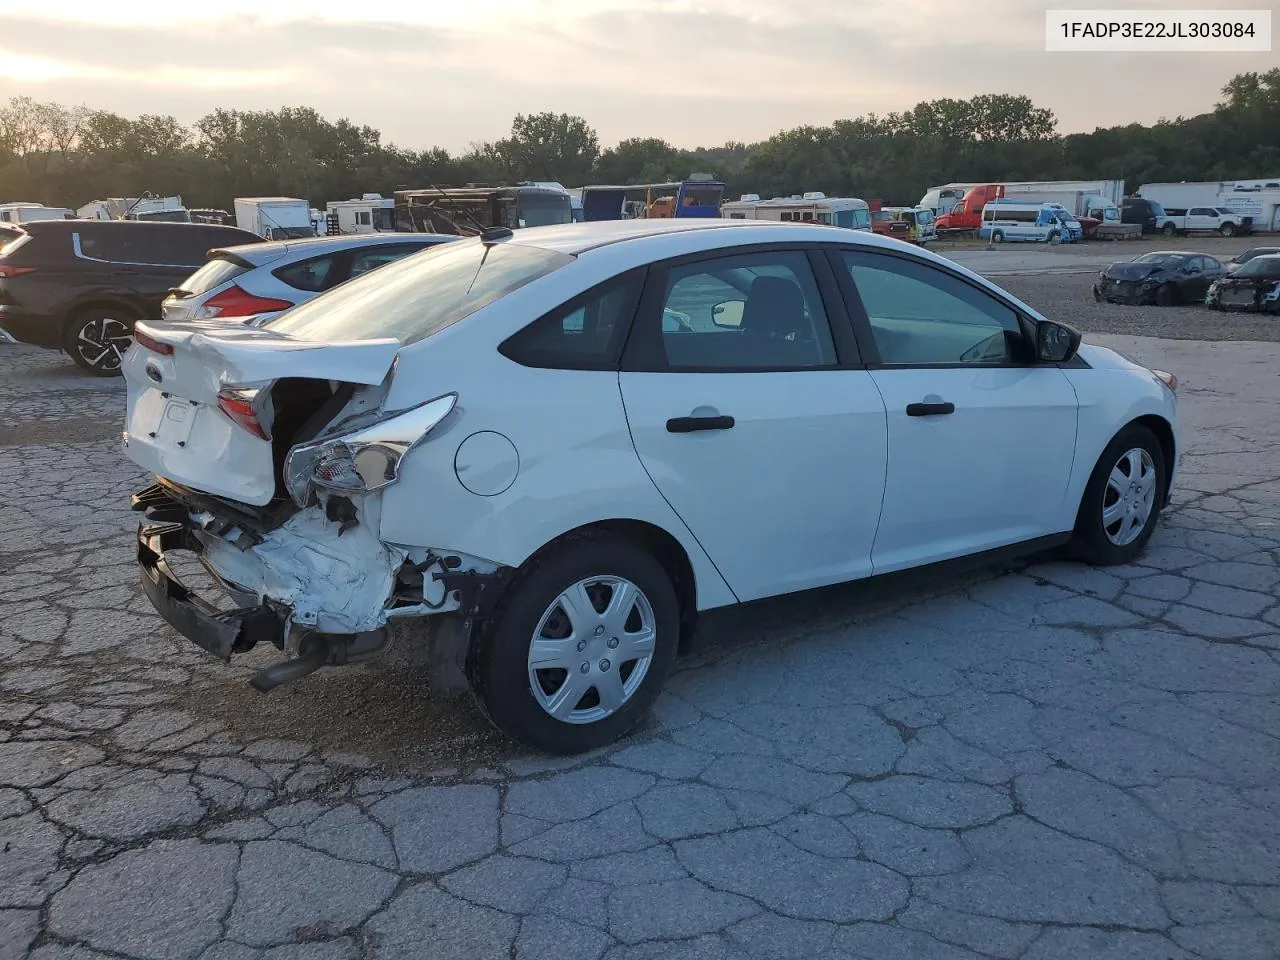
[{"x": 1040, "y": 761}]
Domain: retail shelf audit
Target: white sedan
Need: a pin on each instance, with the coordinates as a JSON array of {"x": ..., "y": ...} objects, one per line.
[{"x": 575, "y": 439}]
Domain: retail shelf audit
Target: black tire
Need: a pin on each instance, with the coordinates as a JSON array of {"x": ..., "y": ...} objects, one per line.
[
  {"x": 96, "y": 339},
  {"x": 997, "y": 236},
  {"x": 499, "y": 662},
  {"x": 1053, "y": 236},
  {"x": 1167, "y": 296},
  {"x": 1090, "y": 541},
  {"x": 1227, "y": 229},
  {"x": 1168, "y": 229}
]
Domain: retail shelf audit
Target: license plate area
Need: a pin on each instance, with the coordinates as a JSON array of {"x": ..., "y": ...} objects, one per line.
[{"x": 176, "y": 420}]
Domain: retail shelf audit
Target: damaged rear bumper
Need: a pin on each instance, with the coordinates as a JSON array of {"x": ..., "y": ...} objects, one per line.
[{"x": 219, "y": 632}]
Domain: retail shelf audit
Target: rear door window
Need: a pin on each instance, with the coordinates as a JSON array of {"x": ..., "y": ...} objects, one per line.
[{"x": 312, "y": 275}]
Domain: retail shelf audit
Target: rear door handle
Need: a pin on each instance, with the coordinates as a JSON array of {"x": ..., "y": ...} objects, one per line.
[
  {"x": 930, "y": 409},
  {"x": 694, "y": 424}
]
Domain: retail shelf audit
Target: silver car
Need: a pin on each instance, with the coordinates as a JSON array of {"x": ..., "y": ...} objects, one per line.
[{"x": 261, "y": 279}]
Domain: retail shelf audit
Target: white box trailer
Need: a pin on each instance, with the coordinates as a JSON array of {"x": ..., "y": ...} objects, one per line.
[
  {"x": 371, "y": 213},
  {"x": 942, "y": 198},
  {"x": 27, "y": 212},
  {"x": 1183, "y": 196},
  {"x": 275, "y": 218}
]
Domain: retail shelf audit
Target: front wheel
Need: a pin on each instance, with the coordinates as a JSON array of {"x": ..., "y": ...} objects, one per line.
[
  {"x": 580, "y": 646},
  {"x": 1122, "y": 501},
  {"x": 1167, "y": 296},
  {"x": 1169, "y": 229},
  {"x": 1227, "y": 229},
  {"x": 997, "y": 236},
  {"x": 97, "y": 340}
]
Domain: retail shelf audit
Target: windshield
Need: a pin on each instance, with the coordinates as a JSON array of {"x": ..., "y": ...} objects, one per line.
[
  {"x": 545, "y": 210},
  {"x": 1256, "y": 252},
  {"x": 924, "y": 217},
  {"x": 414, "y": 297},
  {"x": 1263, "y": 267},
  {"x": 1156, "y": 258},
  {"x": 291, "y": 233},
  {"x": 1225, "y": 212}
]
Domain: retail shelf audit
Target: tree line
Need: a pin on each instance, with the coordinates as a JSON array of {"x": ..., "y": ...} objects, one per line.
[{"x": 67, "y": 155}]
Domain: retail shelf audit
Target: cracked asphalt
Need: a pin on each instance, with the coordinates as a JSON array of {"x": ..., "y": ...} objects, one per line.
[{"x": 1041, "y": 761}]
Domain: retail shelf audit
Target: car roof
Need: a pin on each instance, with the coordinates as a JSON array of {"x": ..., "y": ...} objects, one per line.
[
  {"x": 70, "y": 226},
  {"x": 578, "y": 238},
  {"x": 271, "y": 250}
]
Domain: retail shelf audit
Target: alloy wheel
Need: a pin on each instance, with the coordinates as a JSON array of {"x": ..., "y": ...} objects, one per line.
[
  {"x": 102, "y": 342},
  {"x": 591, "y": 649}
]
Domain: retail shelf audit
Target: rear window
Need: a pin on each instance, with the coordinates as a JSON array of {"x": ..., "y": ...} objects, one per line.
[
  {"x": 414, "y": 297},
  {"x": 213, "y": 274}
]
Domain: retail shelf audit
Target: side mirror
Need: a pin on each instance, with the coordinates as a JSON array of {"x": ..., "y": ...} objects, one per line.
[
  {"x": 728, "y": 313},
  {"x": 1056, "y": 342}
]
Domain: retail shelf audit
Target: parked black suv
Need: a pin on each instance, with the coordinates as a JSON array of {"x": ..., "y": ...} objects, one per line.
[
  {"x": 1140, "y": 210},
  {"x": 79, "y": 285}
]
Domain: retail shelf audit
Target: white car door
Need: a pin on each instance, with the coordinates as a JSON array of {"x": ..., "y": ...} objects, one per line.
[
  {"x": 1202, "y": 218},
  {"x": 981, "y": 437},
  {"x": 748, "y": 410}
]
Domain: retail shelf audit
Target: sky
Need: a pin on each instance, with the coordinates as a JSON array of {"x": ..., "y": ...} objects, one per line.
[{"x": 695, "y": 72}]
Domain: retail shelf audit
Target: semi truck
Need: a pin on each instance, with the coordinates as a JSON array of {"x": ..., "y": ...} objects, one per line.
[
  {"x": 944, "y": 198},
  {"x": 275, "y": 218}
]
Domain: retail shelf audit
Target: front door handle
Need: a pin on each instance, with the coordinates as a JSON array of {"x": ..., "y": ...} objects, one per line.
[
  {"x": 930, "y": 409},
  {"x": 694, "y": 424}
]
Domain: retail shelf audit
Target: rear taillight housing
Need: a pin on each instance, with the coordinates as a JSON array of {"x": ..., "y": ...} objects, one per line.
[
  {"x": 152, "y": 344},
  {"x": 244, "y": 408},
  {"x": 7, "y": 273},
  {"x": 235, "y": 301},
  {"x": 363, "y": 460}
]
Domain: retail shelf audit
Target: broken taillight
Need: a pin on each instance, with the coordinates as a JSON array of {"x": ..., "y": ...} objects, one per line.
[
  {"x": 152, "y": 344},
  {"x": 242, "y": 407},
  {"x": 237, "y": 302},
  {"x": 366, "y": 459}
]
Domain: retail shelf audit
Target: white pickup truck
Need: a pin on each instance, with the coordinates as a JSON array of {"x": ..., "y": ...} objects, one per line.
[{"x": 1203, "y": 220}]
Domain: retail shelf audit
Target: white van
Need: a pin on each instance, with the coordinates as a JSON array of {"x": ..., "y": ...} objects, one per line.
[{"x": 1011, "y": 220}]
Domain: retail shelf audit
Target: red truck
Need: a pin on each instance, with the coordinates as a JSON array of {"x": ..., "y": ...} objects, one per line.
[
  {"x": 883, "y": 222},
  {"x": 967, "y": 214}
]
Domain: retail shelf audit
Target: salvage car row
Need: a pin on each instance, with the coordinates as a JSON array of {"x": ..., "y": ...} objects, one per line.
[{"x": 1166, "y": 278}]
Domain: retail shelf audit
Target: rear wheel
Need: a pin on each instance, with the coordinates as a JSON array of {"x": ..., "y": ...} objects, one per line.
[
  {"x": 579, "y": 647},
  {"x": 1122, "y": 501},
  {"x": 97, "y": 338},
  {"x": 1167, "y": 296}
]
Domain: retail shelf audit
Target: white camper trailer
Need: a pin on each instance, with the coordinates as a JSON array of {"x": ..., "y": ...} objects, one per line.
[{"x": 371, "y": 213}]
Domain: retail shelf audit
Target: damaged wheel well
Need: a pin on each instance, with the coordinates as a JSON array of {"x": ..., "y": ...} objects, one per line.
[{"x": 663, "y": 546}]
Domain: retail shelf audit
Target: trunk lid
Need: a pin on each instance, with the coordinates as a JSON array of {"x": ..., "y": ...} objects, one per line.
[{"x": 175, "y": 374}]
